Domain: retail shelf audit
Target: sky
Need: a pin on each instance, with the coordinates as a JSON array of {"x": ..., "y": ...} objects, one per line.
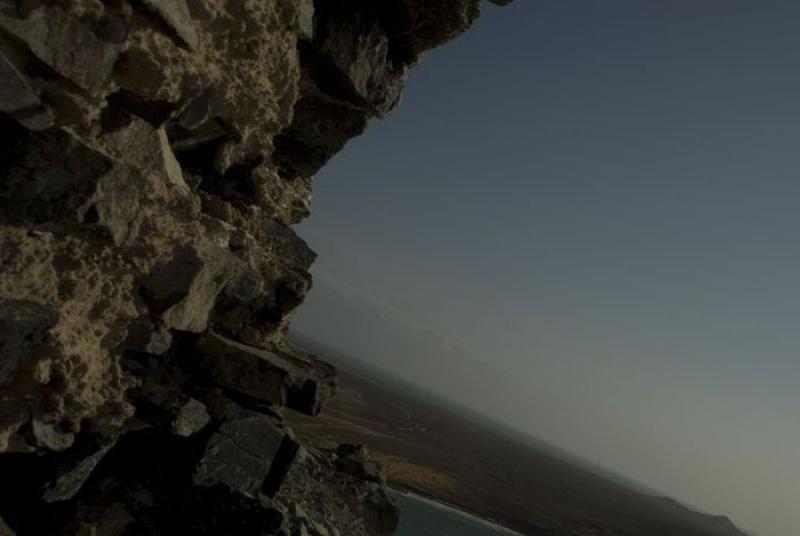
[{"x": 593, "y": 205}]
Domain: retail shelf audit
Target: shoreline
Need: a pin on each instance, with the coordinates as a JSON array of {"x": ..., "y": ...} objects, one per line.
[{"x": 446, "y": 505}]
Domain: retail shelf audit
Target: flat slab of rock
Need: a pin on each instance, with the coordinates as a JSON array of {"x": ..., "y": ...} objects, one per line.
[
  {"x": 70, "y": 481},
  {"x": 300, "y": 383},
  {"x": 249, "y": 455}
]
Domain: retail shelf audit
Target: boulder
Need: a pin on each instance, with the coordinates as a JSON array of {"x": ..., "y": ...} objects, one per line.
[
  {"x": 280, "y": 379},
  {"x": 355, "y": 48},
  {"x": 184, "y": 289},
  {"x": 146, "y": 337},
  {"x": 332, "y": 491},
  {"x": 155, "y": 155},
  {"x": 58, "y": 176},
  {"x": 51, "y": 436},
  {"x": 66, "y": 43},
  {"x": 249, "y": 455},
  {"x": 191, "y": 418}
]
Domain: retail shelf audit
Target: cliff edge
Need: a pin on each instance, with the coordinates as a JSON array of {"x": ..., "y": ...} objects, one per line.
[{"x": 155, "y": 155}]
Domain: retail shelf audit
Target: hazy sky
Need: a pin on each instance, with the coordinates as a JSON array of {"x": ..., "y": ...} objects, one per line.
[{"x": 601, "y": 200}]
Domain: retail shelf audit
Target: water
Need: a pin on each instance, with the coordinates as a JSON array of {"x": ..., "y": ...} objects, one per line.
[{"x": 420, "y": 516}]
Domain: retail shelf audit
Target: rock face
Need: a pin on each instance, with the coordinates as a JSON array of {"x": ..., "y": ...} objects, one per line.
[{"x": 155, "y": 155}]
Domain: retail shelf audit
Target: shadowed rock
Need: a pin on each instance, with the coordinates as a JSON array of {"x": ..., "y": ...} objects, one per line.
[
  {"x": 280, "y": 379},
  {"x": 4, "y": 529},
  {"x": 185, "y": 289},
  {"x": 18, "y": 98},
  {"x": 154, "y": 155},
  {"x": 176, "y": 15},
  {"x": 249, "y": 455},
  {"x": 67, "y": 484},
  {"x": 23, "y": 324}
]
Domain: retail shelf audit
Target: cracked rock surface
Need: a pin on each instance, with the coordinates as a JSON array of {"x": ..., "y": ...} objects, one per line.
[{"x": 155, "y": 155}]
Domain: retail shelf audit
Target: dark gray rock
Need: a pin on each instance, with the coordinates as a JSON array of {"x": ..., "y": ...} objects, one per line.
[
  {"x": 47, "y": 177},
  {"x": 355, "y": 460},
  {"x": 67, "y": 484},
  {"x": 57, "y": 176},
  {"x": 416, "y": 26},
  {"x": 321, "y": 127},
  {"x": 331, "y": 488},
  {"x": 17, "y": 98},
  {"x": 249, "y": 455},
  {"x": 23, "y": 324},
  {"x": 266, "y": 376},
  {"x": 355, "y": 48},
  {"x": 146, "y": 337},
  {"x": 144, "y": 485},
  {"x": 185, "y": 289}
]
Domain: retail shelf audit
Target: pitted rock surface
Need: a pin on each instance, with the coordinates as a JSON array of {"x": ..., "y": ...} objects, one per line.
[{"x": 155, "y": 155}]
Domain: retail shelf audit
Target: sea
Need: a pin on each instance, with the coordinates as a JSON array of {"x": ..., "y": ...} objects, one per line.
[{"x": 421, "y": 516}]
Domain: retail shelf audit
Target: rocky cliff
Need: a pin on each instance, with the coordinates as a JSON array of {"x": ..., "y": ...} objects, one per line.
[{"x": 155, "y": 155}]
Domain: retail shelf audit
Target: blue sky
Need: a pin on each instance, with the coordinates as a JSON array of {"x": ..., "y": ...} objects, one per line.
[{"x": 599, "y": 199}]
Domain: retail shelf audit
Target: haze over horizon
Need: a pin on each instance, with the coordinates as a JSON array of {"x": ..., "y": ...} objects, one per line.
[{"x": 595, "y": 204}]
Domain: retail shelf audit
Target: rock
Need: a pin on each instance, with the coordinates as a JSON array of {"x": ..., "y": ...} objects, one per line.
[
  {"x": 155, "y": 155},
  {"x": 67, "y": 44},
  {"x": 330, "y": 494},
  {"x": 266, "y": 376},
  {"x": 57, "y": 176},
  {"x": 145, "y": 337},
  {"x": 420, "y": 25},
  {"x": 184, "y": 289},
  {"x": 67, "y": 484},
  {"x": 250, "y": 455},
  {"x": 5, "y": 530},
  {"x": 357, "y": 48},
  {"x": 176, "y": 15},
  {"x": 322, "y": 126},
  {"x": 48, "y": 176},
  {"x": 138, "y": 143},
  {"x": 145, "y": 485},
  {"x": 17, "y": 98},
  {"x": 305, "y": 19},
  {"x": 23, "y": 324},
  {"x": 355, "y": 460},
  {"x": 191, "y": 418},
  {"x": 51, "y": 436}
]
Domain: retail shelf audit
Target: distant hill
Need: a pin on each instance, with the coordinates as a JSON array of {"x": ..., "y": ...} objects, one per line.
[{"x": 437, "y": 448}]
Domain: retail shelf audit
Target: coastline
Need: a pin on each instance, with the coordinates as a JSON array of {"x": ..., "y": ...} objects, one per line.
[{"x": 448, "y": 506}]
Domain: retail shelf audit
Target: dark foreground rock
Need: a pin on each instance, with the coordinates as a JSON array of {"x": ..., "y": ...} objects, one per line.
[{"x": 154, "y": 157}]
